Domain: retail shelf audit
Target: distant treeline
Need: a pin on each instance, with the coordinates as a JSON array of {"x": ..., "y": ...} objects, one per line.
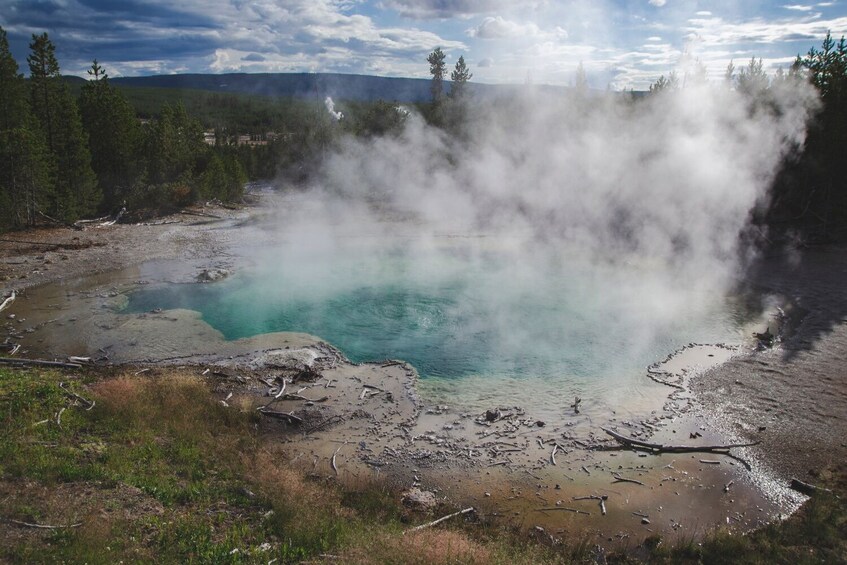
[
  {"x": 63, "y": 158},
  {"x": 809, "y": 196},
  {"x": 71, "y": 148}
]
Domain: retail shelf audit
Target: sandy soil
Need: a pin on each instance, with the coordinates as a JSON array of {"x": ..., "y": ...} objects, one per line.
[{"x": 352, "y": 421}]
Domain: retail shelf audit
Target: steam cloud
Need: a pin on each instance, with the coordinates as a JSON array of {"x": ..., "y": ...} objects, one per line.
[
  {"x": 330, "y": 107},
  {"x": 639, "y": 205}
]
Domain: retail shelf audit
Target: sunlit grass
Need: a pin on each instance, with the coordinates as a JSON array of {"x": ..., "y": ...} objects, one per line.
[{"x": 159, "y": 470}]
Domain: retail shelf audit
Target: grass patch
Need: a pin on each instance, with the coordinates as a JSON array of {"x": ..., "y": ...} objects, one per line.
[{"x": 160, "y": 471}]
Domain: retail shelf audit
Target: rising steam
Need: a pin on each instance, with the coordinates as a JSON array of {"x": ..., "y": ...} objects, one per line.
[
  {"x": 637, "y": 207},
  {"x": 330, "y": 107}
]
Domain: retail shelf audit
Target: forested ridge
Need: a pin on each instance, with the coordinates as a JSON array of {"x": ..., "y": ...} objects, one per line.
[{"x": 71, "y": 149}]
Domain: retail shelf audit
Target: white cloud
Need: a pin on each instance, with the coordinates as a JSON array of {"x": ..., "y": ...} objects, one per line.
[
  {"x": 715, "y": 31},
  {"x": 658, "y": 3},
  {"x": 798, "y": 8},
  {"x": 499, "y": 28},
  {"x": 444, "y": 9}
]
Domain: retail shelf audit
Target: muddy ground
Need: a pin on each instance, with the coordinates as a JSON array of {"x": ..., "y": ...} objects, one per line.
[{"x": 352, "y": 421}]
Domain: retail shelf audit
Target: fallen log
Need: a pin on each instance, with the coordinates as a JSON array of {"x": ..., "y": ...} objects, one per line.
[
  {"x": 442, "y": 519},
  {"x": 37, "y": 363},
  {"x": 290, "y": 418},
  {"x": 660, "y": 448},
  {"x": 806, "y": 488}
]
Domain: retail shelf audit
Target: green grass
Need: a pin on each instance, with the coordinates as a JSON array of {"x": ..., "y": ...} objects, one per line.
[{"x": 160, "y": 471}]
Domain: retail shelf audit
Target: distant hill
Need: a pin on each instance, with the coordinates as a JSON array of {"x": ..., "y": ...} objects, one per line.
[{"x": 360, "y": 88}]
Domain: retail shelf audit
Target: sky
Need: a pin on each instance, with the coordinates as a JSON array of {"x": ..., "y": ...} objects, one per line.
[{"x": 621, "y": 44}]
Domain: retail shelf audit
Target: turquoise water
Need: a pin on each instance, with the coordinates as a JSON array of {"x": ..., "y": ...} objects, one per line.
[{"x": 463, "y": 309}]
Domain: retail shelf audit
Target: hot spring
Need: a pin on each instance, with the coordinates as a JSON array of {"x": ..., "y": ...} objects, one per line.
[{"x": 483, "y": 320}]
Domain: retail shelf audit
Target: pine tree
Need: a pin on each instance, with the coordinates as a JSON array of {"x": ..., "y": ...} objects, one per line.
[
  {"x": 665, "y": 84},
  {"x": 75, "y": 191},
  {"x": 753, "y": 80},
  {"x": 13, "y": 103},
  {"x": 438, "y": 69},
  {"x": 24, "y": 171},
  {"x": 460, "y": 77},
  {"x": 174, "y": 143},
  {"x": 114, "y": 137}
]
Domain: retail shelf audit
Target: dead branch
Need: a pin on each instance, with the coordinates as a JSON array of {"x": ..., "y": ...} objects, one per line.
[
  {"x": 562, "y": 508},
  {"x": 290, "y": 418},
  {"x": 321, "y": 424},
  {"x": 442, "y": 519},
  {"x": 8, "y": 302},
  {"x": 660, "y": 448},
  {"x": 806, "y": 488},
  {"x": 619, "y": 479},
  {"x": 652, "y": 377},
  {"x": 553, "y": 453},
  {"x": 334, "y": 467},
  {"x": 601, "y": 498},
  {"x": 38, "y": 363},
  {"x": 303, "y": 398},
  {"x": 75, "y": 396},
  {"x": 201, "y": 214},
  {"x": 576, "y": 402},
  {"x": 42, "y": 526}
]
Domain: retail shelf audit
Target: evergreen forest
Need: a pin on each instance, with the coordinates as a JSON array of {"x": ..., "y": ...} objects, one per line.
[{"x": 73, "y": 148}]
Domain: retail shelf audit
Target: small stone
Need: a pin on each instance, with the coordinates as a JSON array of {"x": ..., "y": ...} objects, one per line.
[{"x": 645, "y": 521}]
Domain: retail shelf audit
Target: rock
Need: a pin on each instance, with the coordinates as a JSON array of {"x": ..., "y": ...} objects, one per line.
[
  {"x": 212, "y": 275},
  {"x": 417, "y": 499},
  {"x": 492, "y": 415},
  {"x": 645, "y": 521}
]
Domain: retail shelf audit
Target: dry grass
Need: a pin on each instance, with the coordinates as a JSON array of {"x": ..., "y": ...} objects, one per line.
[{"x": 161, "y": 471}]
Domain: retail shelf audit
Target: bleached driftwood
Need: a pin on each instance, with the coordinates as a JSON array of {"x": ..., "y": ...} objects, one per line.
[
  {"x": 564, "y": 509},
  {"x": 8, "y": 302},
  {"x": 601, "y": 498},
  {"x": 334, "y": 466},
  {"x": 42, "y": 526},
  {"x": 619, "y": 479},
  {"x": 38, "y": 363},
  {"x": 442, "y": 519},
  {"x": 75, "y": 396}
]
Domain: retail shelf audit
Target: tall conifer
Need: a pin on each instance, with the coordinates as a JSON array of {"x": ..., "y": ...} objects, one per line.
[
  {"x": 114, "y": 137},
  {"x": 76, "y": 192},
  {"x": 24, "y": 171}
]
